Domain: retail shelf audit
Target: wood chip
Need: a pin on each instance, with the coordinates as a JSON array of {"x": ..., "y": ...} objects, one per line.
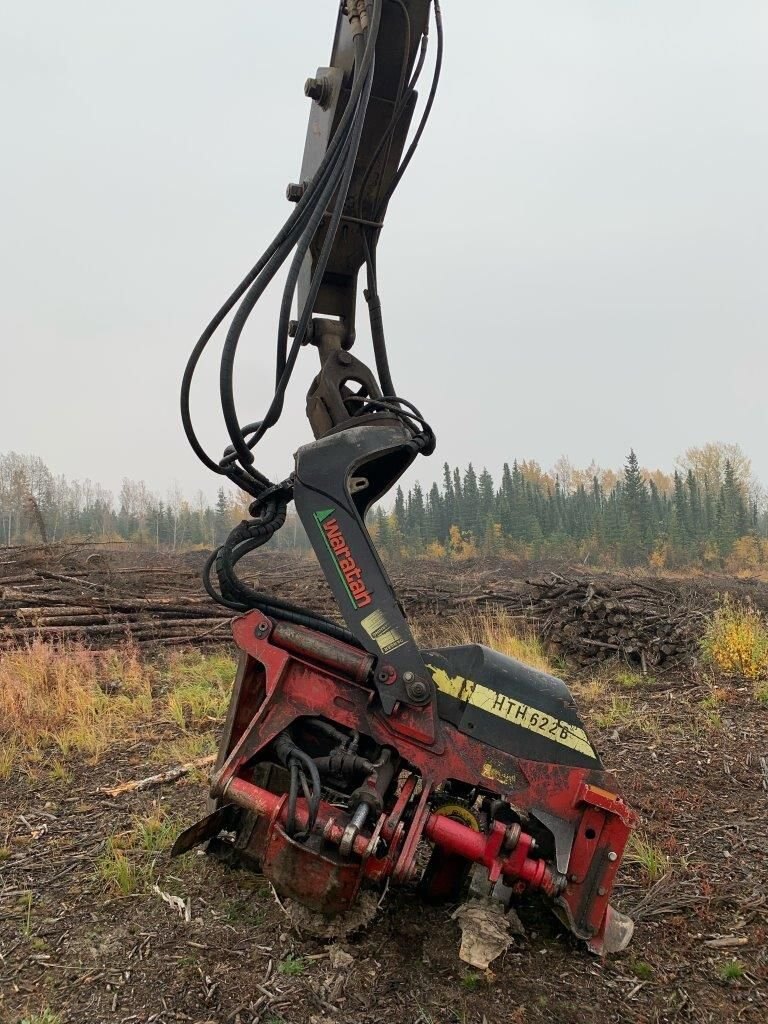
[{"x": 726, "y": 941}]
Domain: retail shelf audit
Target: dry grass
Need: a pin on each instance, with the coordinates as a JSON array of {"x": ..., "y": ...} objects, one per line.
[
  {"x": 71, "y": 698},
  {"x": 56, "y": 702},
  {"x": 591, "y": 690},
  {"x": 494, "y": 628}
]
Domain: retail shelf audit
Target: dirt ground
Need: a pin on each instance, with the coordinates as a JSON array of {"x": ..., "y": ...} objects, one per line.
[{"x": 691, "y": 758}]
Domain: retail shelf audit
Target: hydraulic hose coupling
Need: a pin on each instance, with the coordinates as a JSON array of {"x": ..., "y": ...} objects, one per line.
[{"x": 358, "y": 16}]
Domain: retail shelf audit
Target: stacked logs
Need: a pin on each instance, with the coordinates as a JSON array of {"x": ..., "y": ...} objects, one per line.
[
  {"x": 594, "y": 620},
  {"x": 59, "y": 593},
  {"x": 103, "y": 604}
]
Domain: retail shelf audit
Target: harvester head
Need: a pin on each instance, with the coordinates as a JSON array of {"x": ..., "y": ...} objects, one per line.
[{"x": 323, "y": 793}]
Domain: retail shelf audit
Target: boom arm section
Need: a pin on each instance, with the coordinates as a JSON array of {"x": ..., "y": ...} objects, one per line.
[{"x": 399, "y": 52}]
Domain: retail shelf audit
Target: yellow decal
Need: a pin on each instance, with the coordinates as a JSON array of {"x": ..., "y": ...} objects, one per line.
[
  {"x": 381, "y": 632},
  {"x": 512, "y": 711},
  {"x": 490, "y": 771}
]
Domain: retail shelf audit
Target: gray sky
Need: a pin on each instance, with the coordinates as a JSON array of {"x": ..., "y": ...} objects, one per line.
[{"x": 575, "y": 262}]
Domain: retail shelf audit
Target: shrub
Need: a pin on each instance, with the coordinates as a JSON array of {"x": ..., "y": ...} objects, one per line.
[{"x": 736, "y": 640}]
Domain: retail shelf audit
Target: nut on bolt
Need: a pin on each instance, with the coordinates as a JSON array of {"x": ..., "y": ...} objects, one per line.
[
  {"x": 417, "y": 690},
  {"x": 318, "y": 89},
  {"x": 512, "y": 837},
  {"x": 294, "y": 192}
]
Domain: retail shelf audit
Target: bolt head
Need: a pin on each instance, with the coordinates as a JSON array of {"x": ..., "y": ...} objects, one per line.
[
  {"x": 294, "y": 192},
  {"x": 408, "y": 677},
  {"x": 612, "y": 856},
  {"x": 417, "y": 690}
]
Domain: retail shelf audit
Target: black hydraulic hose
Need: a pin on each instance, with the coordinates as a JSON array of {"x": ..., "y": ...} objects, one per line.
[
  {"x": 361, "y": 84},
  {"x": 331, "y": 182},
  {"x": 376, "y": 319},
  {"x": 276, "y": 406},
  {"x": 226, "y": 376},
  {"x": 294, "y": 221},
  {"x": 424, "y": 117},
  {"x": 290, "y": 232},
  {"x": 293, "y": 793},
  {"x": 246, "y": 598},
  {"x": 292, "y": 755},
  {"x": 330, "y": 730}
]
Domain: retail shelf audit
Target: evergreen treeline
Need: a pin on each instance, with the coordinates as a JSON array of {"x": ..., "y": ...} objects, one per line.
[{"x": 707, "y": 513}]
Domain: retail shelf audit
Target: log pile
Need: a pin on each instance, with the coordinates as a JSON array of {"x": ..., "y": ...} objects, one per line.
[
  {"x": 105, "y": 596},
  {"x": 93, "y": 600},
  {"x": 594, "y": 620}
]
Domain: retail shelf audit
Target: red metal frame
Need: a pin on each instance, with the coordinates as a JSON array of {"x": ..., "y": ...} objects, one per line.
[{"x": 289, "y": 677}]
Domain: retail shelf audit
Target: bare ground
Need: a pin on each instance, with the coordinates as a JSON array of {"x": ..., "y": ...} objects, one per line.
[{"x": 689, "y": 763}]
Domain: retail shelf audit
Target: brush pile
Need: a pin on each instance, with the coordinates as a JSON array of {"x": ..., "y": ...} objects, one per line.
[{"x": 595, "y": 619}]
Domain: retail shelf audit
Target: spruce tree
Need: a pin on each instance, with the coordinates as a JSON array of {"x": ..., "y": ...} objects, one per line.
[{"x": 635, "y": 542}]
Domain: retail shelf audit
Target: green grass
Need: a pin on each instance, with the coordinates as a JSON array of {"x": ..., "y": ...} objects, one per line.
[
  {"x": 292, "y": 965},
  {"x": 712, "y": 721},
  {"x": 617, "y": 711},
  {"x": 118, "y": 870},
  {"x": 641, "y": 970},
  {"x": 60, "y": 772},
  {"x": 126, "y": 866},
  {"x": 155, "y": 833},
  {"x": 631, "y": 680},
  {"x": 56, "y": 701},
  {"x": 471, "y": 981},
  {"x": 652, "y": 860},
  {"x": 731, "y": 970},
  {"x": 45, "y": 1016},
  {"x": 201, "y": 686}
]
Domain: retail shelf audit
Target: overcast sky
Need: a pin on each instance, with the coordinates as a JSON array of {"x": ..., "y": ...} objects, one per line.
[{"x": 575, "y": 262}]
